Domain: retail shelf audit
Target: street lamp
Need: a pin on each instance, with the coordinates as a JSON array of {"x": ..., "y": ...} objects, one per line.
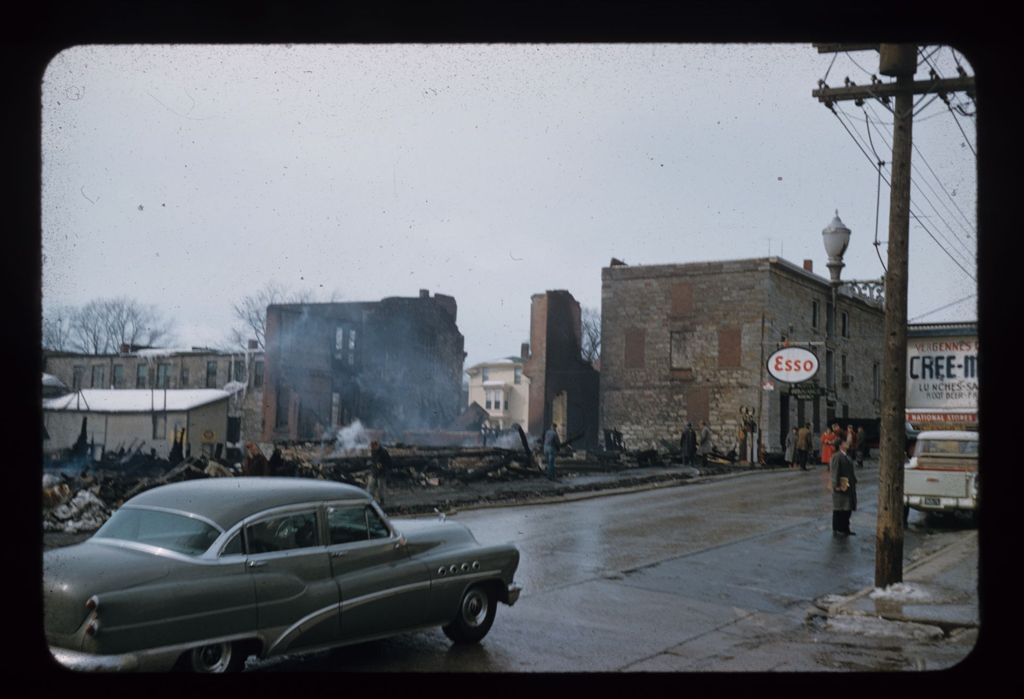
[{"x": 836, "y": 237}]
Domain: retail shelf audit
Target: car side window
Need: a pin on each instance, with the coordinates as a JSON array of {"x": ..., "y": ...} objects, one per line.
[
  {"x": 354, "y": 523},
  {"x": 233, "y": 547},
  {"x": 285, "y": 532}
]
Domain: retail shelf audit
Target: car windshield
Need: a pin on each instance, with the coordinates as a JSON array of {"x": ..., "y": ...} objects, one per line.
[{"x": 167, "y": 530}]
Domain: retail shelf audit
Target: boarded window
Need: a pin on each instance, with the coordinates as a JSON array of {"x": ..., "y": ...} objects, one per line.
[
  {"x": 729, "y": 346},
  {"x": 682, "y": 298},
  {"x": 678, "y": 358},
  {"x": 697, "y": 402},
  {"x": 635, "y": 340}
]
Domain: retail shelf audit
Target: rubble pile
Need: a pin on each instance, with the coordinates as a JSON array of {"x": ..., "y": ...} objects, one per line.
[{"x": 80, "y": 499}]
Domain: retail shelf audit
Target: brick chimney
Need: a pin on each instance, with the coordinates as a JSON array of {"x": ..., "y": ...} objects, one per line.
[{"x": 809, "y": 265}]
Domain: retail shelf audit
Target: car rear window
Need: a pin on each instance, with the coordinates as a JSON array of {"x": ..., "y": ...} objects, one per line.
[
  {"x": 158, "y": 528},
  {"x": 952, "y": 447}
]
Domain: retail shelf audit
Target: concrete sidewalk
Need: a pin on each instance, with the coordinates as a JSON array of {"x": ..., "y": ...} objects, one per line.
[{"x": 939, "y": 590}]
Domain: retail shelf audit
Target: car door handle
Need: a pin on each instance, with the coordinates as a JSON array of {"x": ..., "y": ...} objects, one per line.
[{"x": 257, "y": 564}]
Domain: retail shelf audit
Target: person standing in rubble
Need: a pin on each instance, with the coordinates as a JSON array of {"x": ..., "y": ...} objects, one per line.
[
  {"x": 688, "y": 443},
  {"x": 255, "y": 463},
  {"x": 377, "y": 483},
  {"x": 277, "y": 467},
  {"x": 551, "y": 447},
  {"x": 705, "y": 446}
]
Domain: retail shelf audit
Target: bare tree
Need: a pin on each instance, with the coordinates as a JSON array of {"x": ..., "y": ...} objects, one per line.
[
  {"x": 101, "y": 326},
  {"x": 591, "y": 330},
  {"x": 57, "y": 323},
  {"x": 251, "y": 312},
  {"x": 130, "y": 323}
]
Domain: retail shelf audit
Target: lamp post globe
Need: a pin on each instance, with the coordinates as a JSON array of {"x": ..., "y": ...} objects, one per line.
[{"x": 836, "y": 237}]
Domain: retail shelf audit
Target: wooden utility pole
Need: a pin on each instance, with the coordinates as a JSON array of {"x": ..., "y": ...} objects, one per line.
[{"x": 899, "y": 61}]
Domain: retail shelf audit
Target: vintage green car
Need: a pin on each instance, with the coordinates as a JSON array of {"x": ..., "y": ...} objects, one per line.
[{"x": 202, "y": 574}]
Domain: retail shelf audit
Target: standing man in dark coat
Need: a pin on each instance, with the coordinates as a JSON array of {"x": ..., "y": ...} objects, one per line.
[
  {"x": 551, "y": 447},
  {"x": 844, "y": 491},
  {"x": 803, "y": 446},
  {"x": 688, "y": 444},
  {"x": 377, "y": 483}
]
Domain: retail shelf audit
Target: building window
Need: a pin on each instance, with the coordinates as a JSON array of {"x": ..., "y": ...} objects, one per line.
[
  {"x": 77, "y": 374},
  {"x": 140, "y": 376},
  {"x": 830, "y": 369},
  {"x": 345, "y": 344},
  {"x": 183, "y": 379},
  {"x": 163, "y": 375},
  {"x": 845, "y": 324},
  {"x": 159, "y": 426},
  {"x": 518, "y": 375},
  {"x": 99, "y": 373},
  {"x": 239, "y": 370},
  {"x": 876, "y": 381},
  {"x": 635, "y": 345},
  {"x": 845, "y": 377},
  {"x": 677, "y": 358},
  {"x": 257, "y": 374},
  {"x": 830, "y": 320},
  {"x": 485, "y": 374},
  {"x": 211, "y": 374},
  {"x": 118, "y": 377},
  {"x": 814, "y": 314},
  {"x": 281, "y": 407}
]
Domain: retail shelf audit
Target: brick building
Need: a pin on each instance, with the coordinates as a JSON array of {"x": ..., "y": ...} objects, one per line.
[
  {"x": 394, "y": 365},
  {"x": 563, "y": 387},
  {"x": 689, "y": 342},
  {"x": 239, "y": 373}
]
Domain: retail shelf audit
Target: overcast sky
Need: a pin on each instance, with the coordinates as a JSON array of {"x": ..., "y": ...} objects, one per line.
[{"x": 189, "y": 176}]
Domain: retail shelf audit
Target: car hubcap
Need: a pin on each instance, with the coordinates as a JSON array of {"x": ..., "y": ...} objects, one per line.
[
  {"x": 474, "y": 607},
  {"x": 213, "y": 658}
]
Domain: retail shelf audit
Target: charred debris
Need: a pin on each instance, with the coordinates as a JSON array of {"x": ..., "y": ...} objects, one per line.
[{"x": 79, "y": 494}]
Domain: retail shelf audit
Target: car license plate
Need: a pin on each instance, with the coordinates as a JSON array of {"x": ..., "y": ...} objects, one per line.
[{"x": 934, "y": 502}]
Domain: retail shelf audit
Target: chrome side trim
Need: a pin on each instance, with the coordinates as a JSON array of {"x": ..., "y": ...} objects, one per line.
[
  {"x": 470, "y": 577},
  {"x": 390, "y": 592},
  {"x": 310, "y": 620}
]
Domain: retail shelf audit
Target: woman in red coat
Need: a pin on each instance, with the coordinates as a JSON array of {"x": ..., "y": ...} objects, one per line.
[{"x": 829, "y": 440}]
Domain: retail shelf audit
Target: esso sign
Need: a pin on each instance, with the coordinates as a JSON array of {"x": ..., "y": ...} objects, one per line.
[{"x": 793, "y": 364}]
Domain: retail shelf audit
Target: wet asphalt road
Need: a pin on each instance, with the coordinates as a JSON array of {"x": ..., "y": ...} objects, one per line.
[{"x": 713, "y": 576}]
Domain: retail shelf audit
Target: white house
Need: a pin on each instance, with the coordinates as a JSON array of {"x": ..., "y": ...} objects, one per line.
[
  {"x": 134, "y": 418},
  {"x": 500, "y": 387}
]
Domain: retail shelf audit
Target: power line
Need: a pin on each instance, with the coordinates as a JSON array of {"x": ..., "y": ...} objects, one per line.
[
  {"x": 913, "y": 213},
  {"x": 967, "y": 231},
  {"x": 948, "y": 305}
]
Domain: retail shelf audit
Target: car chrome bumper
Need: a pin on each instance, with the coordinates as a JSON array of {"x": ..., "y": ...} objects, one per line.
[
  {"x": 88, "y": 662},
  {"x": 513, "y": 593}
]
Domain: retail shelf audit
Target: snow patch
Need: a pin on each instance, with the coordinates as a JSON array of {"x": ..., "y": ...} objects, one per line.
[
  {"x": 878, "y": 627},
  {"x": 901, "y": 592}
]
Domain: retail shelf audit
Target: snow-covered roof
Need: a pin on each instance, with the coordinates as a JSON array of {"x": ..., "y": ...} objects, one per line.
[
  {"x": 234, "y": 386},
  {"x": 503, "y": 361},
  {"x": 134, "y": 400},
  {"x": 51, "y": 380}
]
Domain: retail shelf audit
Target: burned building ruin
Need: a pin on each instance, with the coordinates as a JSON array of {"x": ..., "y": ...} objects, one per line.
[
  {"x": 563, "y": 386},
  {"x": 394, "y": 365}
]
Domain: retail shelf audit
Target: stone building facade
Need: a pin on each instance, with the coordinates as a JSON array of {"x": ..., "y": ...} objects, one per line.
[
  {"x": 689, "y": 342},
  {"x": 563, "y": 387},
  {"x": 394, "y": 365},
  {"x": 240, "y": 373}
]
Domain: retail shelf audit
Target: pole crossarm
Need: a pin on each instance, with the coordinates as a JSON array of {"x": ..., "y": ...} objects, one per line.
[
  {"x": 842, "y": 48},
  {"x": 880, "y": 90}
]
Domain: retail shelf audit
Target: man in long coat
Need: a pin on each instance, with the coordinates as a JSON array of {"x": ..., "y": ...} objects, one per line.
[
  {"x": 844, "y": 491},
  {"x": 705, "y": 443},
  {"x": 688, "y": 443},
  {"x": 803, "y": 446}
]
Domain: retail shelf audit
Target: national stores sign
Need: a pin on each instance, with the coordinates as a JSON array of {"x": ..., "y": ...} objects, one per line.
[{"x": 793, "y": 364}]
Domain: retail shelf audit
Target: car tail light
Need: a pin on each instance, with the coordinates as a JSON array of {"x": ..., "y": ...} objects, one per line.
[
  {"x": 91, "y": 603},
  {"x": 93, "y": 628}
]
